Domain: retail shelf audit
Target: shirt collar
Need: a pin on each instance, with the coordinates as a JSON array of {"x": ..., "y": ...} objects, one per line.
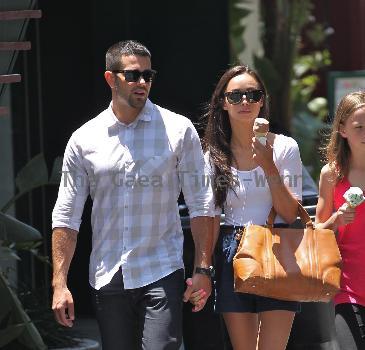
[{"x": 144, "y": 115}]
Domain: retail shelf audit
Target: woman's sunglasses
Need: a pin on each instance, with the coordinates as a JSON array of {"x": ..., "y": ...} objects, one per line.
[
  {"x": 235, "y": 97},
  {"x": 132, "y": 76}
]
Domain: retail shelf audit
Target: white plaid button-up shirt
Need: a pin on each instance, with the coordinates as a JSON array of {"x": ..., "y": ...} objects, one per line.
[{"x": 134, "y": 174}]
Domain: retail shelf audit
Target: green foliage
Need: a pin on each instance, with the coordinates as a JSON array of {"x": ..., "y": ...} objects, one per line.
[
  {"x": 53, "y": 334},
  {"x": 290, "y": 76},
  {"x": 305, "y": 80},
  {"x": 309, "y": 113},
  {"x": 306, "y": 129},
  {"x": 13, "y": 230},
  {"x": 238, "y": 10},
  {"x": 16, "y": 326},
  {"x": 283, "y": 21},
  {"x": 17, "y": 331},
  {"x": 34, "y": 174},
  {"x": 268, "y": 73}
]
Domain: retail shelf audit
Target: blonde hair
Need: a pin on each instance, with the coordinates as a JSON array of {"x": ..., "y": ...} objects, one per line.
[{"x": 337, "y": 150}]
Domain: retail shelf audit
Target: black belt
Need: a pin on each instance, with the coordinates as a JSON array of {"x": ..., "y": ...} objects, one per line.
[{"x": 230, "y": 228}]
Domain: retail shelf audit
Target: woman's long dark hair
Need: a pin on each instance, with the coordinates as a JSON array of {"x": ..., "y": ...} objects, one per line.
[{"x": 218, "y": 133}]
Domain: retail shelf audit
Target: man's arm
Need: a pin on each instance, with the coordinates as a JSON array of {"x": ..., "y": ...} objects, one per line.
[
  {"x": 198, "y": 195},
  {"x": 63, "y": 249},
  {"x": 201, "y": 229}
]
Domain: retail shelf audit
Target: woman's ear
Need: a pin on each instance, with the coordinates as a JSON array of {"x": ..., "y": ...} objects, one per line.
[
  {"x": 342, "y": 131},
  {"x": 223, "y": 103}
]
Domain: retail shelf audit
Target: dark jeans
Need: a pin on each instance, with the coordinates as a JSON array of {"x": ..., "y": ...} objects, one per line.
[
  {"x": 148, "y": 318},
  {"x": 350, "y": 326}
]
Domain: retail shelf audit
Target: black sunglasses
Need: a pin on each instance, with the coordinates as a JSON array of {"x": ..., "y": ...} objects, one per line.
[
  {"x": 236, "y": 96},
  {"x": 134, "y": 75}
]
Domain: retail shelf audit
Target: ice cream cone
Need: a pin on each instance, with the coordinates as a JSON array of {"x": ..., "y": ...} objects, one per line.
[
  {"x": 354, "y": 196},
  {"x": 260, "y": 129}
]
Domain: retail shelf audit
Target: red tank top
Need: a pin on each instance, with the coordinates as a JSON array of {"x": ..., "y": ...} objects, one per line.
[{"x": 351, "y": 241}]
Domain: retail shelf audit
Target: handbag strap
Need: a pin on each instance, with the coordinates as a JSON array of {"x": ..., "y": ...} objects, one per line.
[{"x": 302, "y": 213}]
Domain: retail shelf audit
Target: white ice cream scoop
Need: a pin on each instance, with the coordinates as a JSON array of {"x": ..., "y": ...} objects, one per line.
[
  {"x": 354, "y": 196},
  {"x": 260, "y": 129}
]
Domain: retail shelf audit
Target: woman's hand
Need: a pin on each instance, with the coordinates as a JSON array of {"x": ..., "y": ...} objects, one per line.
[
  {"x": 263, "y": 154},
  {"x": 197, "y": 298}
]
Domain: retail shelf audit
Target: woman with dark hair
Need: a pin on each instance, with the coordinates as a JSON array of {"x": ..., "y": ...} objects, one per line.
[{"x": 248, "y": 178}]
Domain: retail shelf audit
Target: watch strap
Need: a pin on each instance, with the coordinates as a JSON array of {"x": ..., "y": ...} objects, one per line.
[{"x": 209, "y": 271}]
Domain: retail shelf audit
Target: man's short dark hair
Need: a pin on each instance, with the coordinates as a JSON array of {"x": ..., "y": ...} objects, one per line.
[{"x": 124, "y": 48}]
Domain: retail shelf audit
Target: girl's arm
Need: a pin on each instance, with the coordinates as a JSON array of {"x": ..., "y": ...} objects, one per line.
[{"x": 325, "y": 217}]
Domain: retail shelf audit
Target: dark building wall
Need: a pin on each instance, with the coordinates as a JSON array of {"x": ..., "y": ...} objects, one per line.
[{"x": 347, "y": 43}]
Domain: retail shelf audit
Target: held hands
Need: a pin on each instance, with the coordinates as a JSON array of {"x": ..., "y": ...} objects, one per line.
[
  {"x": 63, "y": 306},
  {"x": 198, "y": 290},
  {"x": 345, "y": 215}
]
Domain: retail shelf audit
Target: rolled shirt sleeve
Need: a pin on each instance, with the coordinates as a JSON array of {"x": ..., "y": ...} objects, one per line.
[
  {"x": 209, "y": 168},
  {"x": 73, "y": 189},
  {"x": 194, "y": 175}
]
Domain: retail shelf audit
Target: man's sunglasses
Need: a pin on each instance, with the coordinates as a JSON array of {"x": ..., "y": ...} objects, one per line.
[
  {"x": 236, "y": 96},
  {"x": 134, "y": 75}
]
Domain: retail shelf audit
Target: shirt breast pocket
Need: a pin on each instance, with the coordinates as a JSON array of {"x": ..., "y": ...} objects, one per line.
[{"x": 159, "y": 165}]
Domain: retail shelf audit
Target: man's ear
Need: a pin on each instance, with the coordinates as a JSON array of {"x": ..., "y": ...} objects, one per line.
[{"x": 110, "y": 78}]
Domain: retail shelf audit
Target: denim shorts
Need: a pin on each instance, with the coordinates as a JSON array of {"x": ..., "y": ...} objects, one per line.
[{"x": 227, "y": 300}]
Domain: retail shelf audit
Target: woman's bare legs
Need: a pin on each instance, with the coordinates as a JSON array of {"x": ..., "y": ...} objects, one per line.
[
  {"x": 275, "y": 329},
  {"x": 268, "y": 330},
  {"x": 242, "y": 329}
]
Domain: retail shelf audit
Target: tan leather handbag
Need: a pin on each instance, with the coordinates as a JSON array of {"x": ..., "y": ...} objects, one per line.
[{"x": 288, "y": 263}]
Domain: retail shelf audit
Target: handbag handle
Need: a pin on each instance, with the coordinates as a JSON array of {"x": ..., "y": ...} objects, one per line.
[{"x": 302, "y": 213}]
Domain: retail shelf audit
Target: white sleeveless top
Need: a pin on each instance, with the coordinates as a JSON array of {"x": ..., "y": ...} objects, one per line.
[{"x": 251, "y": 201}]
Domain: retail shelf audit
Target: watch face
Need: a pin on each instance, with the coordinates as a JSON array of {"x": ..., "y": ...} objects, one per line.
[{"x": 212, "y": 271}]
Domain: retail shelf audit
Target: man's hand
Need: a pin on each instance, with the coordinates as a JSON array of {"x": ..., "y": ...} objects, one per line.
[
  {"x": 63, "y": 306},
  {"x": 198, "y": 290},
  {"x": 63, "y": 248}
]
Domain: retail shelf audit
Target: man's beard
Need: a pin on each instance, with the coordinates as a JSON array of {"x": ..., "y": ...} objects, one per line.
[
  {"x": 132, "y": 100},
  {"x": 135, "y": 102}
]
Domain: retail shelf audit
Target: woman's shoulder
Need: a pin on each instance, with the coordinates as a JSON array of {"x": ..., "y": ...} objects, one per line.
[
  {"x": 284, "y": 146},
  {"x": 284, "y": 141}
]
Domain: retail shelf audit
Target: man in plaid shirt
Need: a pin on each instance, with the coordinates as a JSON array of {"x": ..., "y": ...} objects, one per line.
[{"x": 133, "y": 159}]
